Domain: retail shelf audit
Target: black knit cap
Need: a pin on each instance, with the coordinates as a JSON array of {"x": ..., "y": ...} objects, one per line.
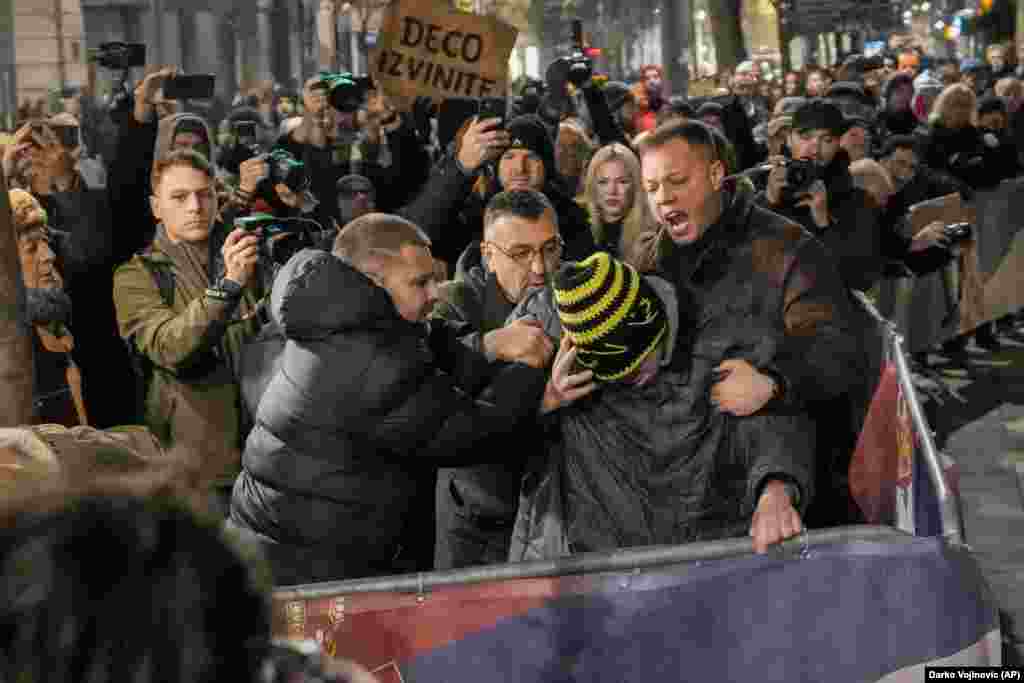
[
  {"x": 611, "y": 314},
  {"x": 819, "y": 115},
  {"x": 991, "y": 103},
  {"x": 528, "y": 132}
]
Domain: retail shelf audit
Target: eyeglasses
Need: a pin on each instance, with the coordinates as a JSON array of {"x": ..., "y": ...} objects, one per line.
[{"x": 550, "y": 253}]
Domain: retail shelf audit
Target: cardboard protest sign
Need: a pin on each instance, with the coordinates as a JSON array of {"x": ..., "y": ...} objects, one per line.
[
  {"x": 948, "y": 209},
  {"x": 1000, "y": 215},
  {"x": 426, "y": 49}
]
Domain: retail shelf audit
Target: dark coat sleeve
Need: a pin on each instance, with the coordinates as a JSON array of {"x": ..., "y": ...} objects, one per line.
[
  {"x": 819, "y": 357},
  {"x": 436, "y": 208},
  {"x": 409, "y": 170},
  {"x": 606, "y": 128},
  {"x": 128, "y": 187},
  {"x": 437, "y": 421}
]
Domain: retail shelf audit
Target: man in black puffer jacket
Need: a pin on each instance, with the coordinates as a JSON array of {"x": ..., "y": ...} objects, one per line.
[{"x": 361, "y": 405}]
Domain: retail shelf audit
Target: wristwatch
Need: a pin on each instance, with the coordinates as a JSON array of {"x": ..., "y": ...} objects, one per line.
[{"x": 225, "y": 290}]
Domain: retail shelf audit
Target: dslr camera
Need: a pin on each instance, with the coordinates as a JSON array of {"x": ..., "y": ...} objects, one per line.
[
  {"x": 119, "y": 56},
  {"x": 286, "y": 169},
  {"x": 576, "y": 68},
  {"x": 955, "y": 233},
  {"x": 345, "y": 92},
  {"x": 123, "y": 57},
  {"x": 281, "y": 238},
  {"x": 800, "y": 175}
]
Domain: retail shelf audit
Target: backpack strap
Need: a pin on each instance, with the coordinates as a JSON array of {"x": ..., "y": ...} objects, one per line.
[{"x": 163, "y": 276}]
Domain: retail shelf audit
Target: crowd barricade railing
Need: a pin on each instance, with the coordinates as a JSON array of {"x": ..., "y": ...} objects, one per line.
[{"x": 874, "y": 602}]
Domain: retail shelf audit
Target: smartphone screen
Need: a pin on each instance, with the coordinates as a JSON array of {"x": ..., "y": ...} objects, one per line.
[
  {"x": 492, "y": 107},
  {"x": 190, "y": 87}
]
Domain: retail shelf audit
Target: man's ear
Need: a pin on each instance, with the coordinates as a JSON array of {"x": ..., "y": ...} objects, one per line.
[
  {"x": 717, "y": 174},
  {"x": 486, "y": 252},
  {"x": 154, "y": 204}
]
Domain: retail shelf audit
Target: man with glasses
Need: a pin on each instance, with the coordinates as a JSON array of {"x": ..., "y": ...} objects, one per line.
[{"x": 521, "y": 250}]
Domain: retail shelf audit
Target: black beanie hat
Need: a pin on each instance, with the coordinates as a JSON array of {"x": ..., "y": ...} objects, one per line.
[
  {"x": 611, "y": 314},
  {"x": 528, "y": 132},
  {"x": 819, "y": 115},
  {"x": 991, "y": 103}
]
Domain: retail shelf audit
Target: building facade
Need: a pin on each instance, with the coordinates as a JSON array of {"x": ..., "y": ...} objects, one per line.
[{"x": 41, "y": 51}]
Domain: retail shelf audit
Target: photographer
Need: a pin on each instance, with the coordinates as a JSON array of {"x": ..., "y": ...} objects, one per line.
[
  {"x": 145, "y": 136},
  {"x": 186, "y": 305},
  {"x": 241, "y": 136},
  {"x": 369, "y": 138},
  {"x": 814, "y": 188}
]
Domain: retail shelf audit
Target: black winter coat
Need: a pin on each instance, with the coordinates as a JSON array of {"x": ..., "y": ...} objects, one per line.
[
  {"x": 964, "y": 154},
  {"x": 90, "y": 243},
  {"x": 756, "y": 273},
  {"x": 658, "y": 465},
  {"x": 361, "y": 408},
  {"x": 855, "y": 238}
]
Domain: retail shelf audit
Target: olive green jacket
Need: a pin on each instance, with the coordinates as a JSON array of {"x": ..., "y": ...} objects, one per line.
[{"x": 194, "y": 347}]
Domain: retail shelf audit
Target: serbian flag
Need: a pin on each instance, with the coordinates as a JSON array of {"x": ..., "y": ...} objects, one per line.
[{"x": 888, "y": 475}]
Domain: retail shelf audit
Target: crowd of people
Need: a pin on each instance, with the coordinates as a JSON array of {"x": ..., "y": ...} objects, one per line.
[{"x": 382, "y": 341}]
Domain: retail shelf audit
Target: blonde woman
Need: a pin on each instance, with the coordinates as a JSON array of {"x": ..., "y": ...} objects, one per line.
[
  {"x": 955, "y": 145},
  {"x": 619, "y": 219}
]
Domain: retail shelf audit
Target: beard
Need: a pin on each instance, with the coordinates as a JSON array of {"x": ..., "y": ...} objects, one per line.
[{"x": 48, "y": 306}]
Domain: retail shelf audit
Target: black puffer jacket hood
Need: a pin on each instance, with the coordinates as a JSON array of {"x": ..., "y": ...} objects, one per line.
[{"x": 322, "y": 295}]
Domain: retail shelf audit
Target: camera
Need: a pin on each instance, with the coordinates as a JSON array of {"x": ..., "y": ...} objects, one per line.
[
  {"x": 956, "y": 233},
  {"x": 345, "y": 92},
  {"x": 286, "y": 169},
  {"x": 245, "y": 131},
  {"x": 576, "y": 68},
  {"x": 800, "y": 175},
  {"x": 119, "y": 56},
  {"x": 281, "y": 238}
]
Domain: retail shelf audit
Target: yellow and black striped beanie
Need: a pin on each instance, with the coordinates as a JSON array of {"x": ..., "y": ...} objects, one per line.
[{"x": 611, "y": 314}]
